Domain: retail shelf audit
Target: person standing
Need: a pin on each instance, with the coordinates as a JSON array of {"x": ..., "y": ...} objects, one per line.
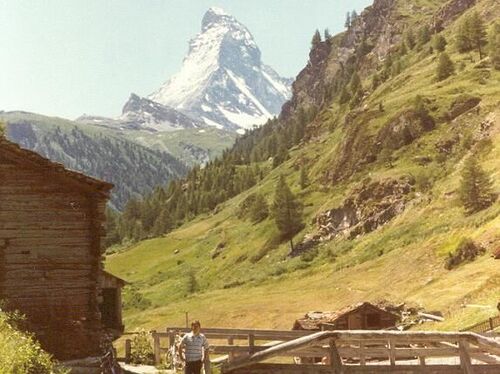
[{"x": 194, "y": 349}]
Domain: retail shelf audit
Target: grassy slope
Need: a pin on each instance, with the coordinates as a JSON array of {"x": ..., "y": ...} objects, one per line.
[{"x": 402, "y": 261}]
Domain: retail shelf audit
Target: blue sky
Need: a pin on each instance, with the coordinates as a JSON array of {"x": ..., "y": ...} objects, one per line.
[{"x": 69, "y": 57}]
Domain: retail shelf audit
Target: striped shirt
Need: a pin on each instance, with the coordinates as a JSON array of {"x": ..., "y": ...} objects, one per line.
[{"x": 194, "y": 345}]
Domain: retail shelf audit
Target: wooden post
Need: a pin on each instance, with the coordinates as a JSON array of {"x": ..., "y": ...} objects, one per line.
[
  {"x": 251, "y": 343},
  {"x": 335, "y": 360},
  {"x": 491, "y": 324},
  {"x": 465, "y": 361},
  {"x": 156, "y": 347},
  {"x": 128, "y": 350},
  {"x": 230, "y": 356},
  {"x": 362, "y": 360},
  {"x": 392, "y": 352}
]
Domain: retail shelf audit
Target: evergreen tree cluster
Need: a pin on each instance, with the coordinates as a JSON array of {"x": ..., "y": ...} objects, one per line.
[{"x": 471, "y": 34}]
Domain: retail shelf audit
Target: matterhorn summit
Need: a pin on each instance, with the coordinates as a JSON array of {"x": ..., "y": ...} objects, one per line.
[{"x": 223, "y": 81}]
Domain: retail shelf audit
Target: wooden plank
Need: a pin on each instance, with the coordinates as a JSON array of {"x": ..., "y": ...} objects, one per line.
[
  {"x": 335, "y": 360},
  {"x": 156, "y": 347},
  {"x": 465, "y": 361},
  {"x": 392, "y": 352}
]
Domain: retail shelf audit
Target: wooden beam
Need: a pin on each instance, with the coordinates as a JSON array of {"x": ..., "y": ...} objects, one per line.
[
  {"x": 335, "y": 360},
  {"x": 465, "y": 360}
]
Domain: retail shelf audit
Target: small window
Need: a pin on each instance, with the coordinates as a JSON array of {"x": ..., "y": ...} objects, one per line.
[{"x": 373, "y": 320}]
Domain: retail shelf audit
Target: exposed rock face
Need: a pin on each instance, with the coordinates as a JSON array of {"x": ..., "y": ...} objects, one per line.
[
  {"x": 448, "y": 12},
  {"x": 327, "y": 59},
  {"x": 139, "y": 112},
  {"x": 367, "y": 208},
  {"x": 404, "y": 129},
  {"x": 462, "y": 104}
]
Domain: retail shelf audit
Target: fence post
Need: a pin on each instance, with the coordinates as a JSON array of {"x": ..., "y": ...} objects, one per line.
[
  {"x": 392, "y": 352},
  {"x": 230, "y": 356},
  {"x": 251, "y": 343},
  {"x": 156, "y": 347},
  {"x": 465, "y": 361},
  {"x": 128, "y": 350},
  {"x": 491, "y": 324},
  {"x": 335, "y": 360}
]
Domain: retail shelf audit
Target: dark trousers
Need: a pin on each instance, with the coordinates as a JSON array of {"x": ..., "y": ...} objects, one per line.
[{"x": 193, "y": 367}]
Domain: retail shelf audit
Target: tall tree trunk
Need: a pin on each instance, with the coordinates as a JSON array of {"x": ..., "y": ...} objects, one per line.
[{"x": 291, "y": 244}]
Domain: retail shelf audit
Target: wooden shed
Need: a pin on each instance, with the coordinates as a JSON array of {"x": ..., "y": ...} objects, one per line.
[
  {"x": 362, "y": 316},
  {"x": 51, "y": 224},
  {"x": 111, "y": 303}
]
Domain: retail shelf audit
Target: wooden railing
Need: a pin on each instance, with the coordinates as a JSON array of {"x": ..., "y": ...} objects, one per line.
[
  {"x": 376, "y": 352},
  {"x": 489, "y": 325},
  {"x": 228, "y": 342}
]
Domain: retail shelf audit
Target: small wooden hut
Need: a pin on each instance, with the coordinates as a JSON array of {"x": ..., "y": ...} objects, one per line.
[
  {"x": 111, "y": 303},
  {"x": 51, "y": 224},
  {"x": 362, "y": 316}
]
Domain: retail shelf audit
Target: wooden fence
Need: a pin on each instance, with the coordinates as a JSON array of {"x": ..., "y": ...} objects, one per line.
[
  {"x": 346, "y": 352},
  {"x": 252, "y": 351},
  {"x": 489, "y": 325}
]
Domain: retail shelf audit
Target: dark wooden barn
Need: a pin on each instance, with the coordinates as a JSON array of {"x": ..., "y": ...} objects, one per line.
[
  {"x": 51, "y": 224},
  {"x": 362, "y": 316}
]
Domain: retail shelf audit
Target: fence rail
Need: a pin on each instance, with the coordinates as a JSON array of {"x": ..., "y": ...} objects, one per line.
[
  {"x": 253, "y": 351},
  {"x": 489, "y": 325}
]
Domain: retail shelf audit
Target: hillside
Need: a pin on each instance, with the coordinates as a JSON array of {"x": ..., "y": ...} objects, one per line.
[
  {"x": 383, "y": 144},
  {"x": 134, "y": 169}
]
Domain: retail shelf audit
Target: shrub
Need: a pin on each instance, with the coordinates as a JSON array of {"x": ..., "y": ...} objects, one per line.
[
  {"x": 466, "y": 251},
  {"x": 141, "y": 350},
  {"x": 20, "y": 353}
]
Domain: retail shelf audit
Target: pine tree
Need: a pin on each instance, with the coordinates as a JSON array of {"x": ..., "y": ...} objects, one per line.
[
  {"x": 375, "y": 81},
  {"x": 304, "y": 180},
  {"x": 462, "y": 39},
  {"x": 409, "y": 38},
  {"x": 327, "y": 34},
  {"x": 287, "y": 211},
  {"x": 445, "y": 67},
  {"x": 316, "y": 39},
  {"x": 424, "y": 35},
  {"x": 439, "y": 42},
  {"x": 476, "y": 187},
  {"x": 259, "y": 210},
  {"x": 354, "y": 17},
  {"x": 347, "y": 23},
  {"x": 477, "y": 33},
  {"x": 494, "y": 45}
]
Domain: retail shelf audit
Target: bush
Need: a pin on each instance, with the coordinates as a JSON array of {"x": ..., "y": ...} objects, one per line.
[
  {"x": 466, "y": 251},
  {"x": 20, "y": 353},
  {"x": 141, "y": 350}
]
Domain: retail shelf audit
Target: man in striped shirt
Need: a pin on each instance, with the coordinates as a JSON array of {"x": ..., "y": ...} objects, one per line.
[{"x": 194, "y": 349}]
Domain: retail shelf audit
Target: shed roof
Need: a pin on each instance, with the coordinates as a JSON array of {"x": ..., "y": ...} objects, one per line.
[
  {"x": 14, "y": 152},
  {"x": 114, "y": 279},
  {"x": 313, "y": 320}
]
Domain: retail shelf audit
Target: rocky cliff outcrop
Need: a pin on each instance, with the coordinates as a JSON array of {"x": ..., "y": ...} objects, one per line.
[
  {"x": 368, "y": 207},
  {"x": 448, "y": 12}
]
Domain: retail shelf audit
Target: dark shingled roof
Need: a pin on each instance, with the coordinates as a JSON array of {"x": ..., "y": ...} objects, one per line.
[{"x": 57, "y": 168}]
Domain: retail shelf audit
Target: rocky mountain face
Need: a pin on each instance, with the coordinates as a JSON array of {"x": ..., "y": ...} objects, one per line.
[{"x": 223, "y": 81}]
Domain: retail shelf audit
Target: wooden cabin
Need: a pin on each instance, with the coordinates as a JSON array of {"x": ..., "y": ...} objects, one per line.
[
  {"x": 51, "y": 224},
  {"x": 362, "y": 316},
  {"x": 111, "y": 303}
]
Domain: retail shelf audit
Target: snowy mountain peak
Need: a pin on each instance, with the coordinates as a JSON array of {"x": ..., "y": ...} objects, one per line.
[
  {"x": 223, "y": 81},
  {"x": 216, "y": 16}
]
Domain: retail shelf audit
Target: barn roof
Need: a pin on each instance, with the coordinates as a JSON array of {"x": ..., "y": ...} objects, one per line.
[
  {"x": 21, "y": 154},
  {"x": 314, "y": 320}
]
